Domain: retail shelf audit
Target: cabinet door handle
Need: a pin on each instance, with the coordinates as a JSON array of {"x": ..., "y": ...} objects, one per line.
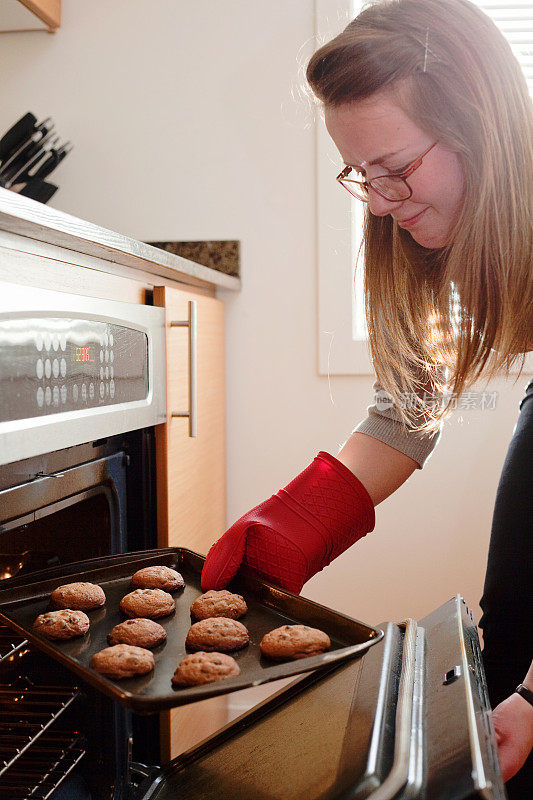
[{"x": 192, "y": 413}]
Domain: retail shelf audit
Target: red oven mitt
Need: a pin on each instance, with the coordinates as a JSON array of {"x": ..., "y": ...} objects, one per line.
[{"x": 296, "y": 532}]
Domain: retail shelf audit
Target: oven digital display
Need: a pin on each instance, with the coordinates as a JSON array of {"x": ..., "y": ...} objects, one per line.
[
  {"x": 85, "y": 353},
  {"x": 49, "y": 365}
]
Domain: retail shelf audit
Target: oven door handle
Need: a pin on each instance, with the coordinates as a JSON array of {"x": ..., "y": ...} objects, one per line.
[
  {"x": 398, "y": 776},
  {"x": 192, "y": 413}
]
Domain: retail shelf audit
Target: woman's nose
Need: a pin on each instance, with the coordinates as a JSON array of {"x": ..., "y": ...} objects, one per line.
[{"x": 380, "y": 206}]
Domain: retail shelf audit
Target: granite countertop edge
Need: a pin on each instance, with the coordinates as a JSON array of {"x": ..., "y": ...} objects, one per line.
[{"x": 26, "y": 217}]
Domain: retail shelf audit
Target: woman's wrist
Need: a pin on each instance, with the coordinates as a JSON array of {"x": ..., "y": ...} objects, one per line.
[
  {"x": 525, "y": 693},
  {"x": 528, "y": 680},
  {"x": 525, "y": 711},
  {"x": 524, "y": 696}
]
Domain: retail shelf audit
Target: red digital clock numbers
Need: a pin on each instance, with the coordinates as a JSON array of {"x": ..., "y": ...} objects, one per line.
[{"x": 84, "y": 354}]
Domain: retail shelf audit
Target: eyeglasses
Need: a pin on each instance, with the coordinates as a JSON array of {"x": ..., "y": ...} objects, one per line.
[{"x": 390, "y": 187}]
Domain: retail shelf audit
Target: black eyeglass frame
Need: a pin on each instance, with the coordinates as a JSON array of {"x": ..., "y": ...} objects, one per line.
[{"x": 342, "y": 178}]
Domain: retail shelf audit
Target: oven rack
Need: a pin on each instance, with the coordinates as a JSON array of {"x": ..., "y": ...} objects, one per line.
[
  {"x": 10, "y": 644},
  {"x": 39, "y": 771},
  {"x": 38, "y": 745},
  {"x": 25, "y": 714}
]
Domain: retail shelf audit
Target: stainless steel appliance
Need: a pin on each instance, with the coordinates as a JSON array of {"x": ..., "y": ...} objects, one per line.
[
  {"x": 82, "y": 384},
  {"x": 410, "y": 719},
  {"x": 75, "y": 369}
]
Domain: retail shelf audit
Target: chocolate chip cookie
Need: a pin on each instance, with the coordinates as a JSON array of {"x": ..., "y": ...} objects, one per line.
[
  {"x": 123, "y": 661},
  {"x": 64, "y": 624},
  {"x": 294, "y": 641},
  {"x": 219, "y": 604},
  {"x": 198, "y": 668},
  {"x": 82, "y": 596},
  {"x": 157, "y": 578},
  {"x": 217, "y": 634},
  {"x": 139, "y": 632},
  {"x": 151, "y": 603}
]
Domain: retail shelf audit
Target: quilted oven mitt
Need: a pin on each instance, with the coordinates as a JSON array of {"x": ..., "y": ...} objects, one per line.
[{"x": 296, "y": 532}]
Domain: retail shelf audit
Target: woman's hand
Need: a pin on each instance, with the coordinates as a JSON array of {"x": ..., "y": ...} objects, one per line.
[{"x": 513, "y": 723}]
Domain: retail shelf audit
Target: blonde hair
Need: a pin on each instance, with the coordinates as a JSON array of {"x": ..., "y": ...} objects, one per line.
[{"x": 466, "y": 308}]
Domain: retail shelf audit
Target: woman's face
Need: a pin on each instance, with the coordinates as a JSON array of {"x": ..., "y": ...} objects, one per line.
[{"x": 376, "y": 134}]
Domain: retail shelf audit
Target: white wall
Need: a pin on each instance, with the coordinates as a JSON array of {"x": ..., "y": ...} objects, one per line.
[{"x": 188, "y": 124}]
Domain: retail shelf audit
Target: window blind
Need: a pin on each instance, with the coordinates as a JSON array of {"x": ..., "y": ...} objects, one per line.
[{"x": 515, "y": 20}]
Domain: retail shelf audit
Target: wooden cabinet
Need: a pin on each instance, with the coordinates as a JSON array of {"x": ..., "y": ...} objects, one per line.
[
  {"x": 191, "y": 485},
  {"x": 30, "y": 15},
  {"x": 191, "y": 470}
]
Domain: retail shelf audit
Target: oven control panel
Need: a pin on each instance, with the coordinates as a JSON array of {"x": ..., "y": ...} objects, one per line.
[
  {"x": 76, "y": 369},
  {"x": 50, "y": 365}
]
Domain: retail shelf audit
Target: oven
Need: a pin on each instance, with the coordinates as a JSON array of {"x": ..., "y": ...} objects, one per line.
[
  {"x": 82, "y": 386},
  {"x": 409, "y": 719}
]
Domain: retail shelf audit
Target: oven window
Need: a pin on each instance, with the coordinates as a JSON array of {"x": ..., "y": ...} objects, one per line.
[{"x": 74, "y": 529}]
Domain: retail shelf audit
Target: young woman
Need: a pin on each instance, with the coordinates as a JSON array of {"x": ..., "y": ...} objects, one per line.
[{"x": 431, "y": 115}]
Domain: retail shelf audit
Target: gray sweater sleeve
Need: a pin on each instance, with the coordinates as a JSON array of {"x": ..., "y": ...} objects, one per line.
[{"x": 383, "y": 423}]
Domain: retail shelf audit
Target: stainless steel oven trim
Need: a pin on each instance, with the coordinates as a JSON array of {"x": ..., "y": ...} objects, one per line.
[
  {"x": 481, "y": 782},
  {"x": 399, "y": 774},
  {"x": 54, "y": 507},
  {"x": 379, "y": 723},
  {"x": 30, "y": 437},
  {"x": 415, "y": 779},
  {"x": 47, "y": 490}
]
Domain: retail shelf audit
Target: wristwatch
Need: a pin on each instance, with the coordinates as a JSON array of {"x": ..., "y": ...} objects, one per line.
[{"x": 527, "y": 694}]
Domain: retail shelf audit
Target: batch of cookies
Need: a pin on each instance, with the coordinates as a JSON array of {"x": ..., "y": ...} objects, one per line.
[{"x": 216, "y": 633}]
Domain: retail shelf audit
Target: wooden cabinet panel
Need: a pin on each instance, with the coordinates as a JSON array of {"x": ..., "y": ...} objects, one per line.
[
  {"x": 191, "y": 471},
  {"x": 47, "y": 10},
  {"x": 184, "y": 728},
  {"x": 191, "y": 484},
  {"x": 30, "y": 15}
]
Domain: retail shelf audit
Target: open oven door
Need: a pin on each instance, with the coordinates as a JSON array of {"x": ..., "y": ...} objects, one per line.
[{"x": 410, "y": 719}]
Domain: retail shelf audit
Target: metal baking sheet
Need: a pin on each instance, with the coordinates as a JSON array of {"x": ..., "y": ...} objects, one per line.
[{"x": 268, "y": 608}]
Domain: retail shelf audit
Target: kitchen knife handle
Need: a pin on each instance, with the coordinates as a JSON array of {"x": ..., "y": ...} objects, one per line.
[
  {"x": 56, "y": 157},
  {"x": 192, "y": 413},
  {"x": 38, "y": 190},
  {"x": 18, "y": 133}
]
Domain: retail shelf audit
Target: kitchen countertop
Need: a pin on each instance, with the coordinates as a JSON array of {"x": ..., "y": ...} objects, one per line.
[
  {"x": 25, "y": 217},
  {"x": 222, "y": 255}
]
